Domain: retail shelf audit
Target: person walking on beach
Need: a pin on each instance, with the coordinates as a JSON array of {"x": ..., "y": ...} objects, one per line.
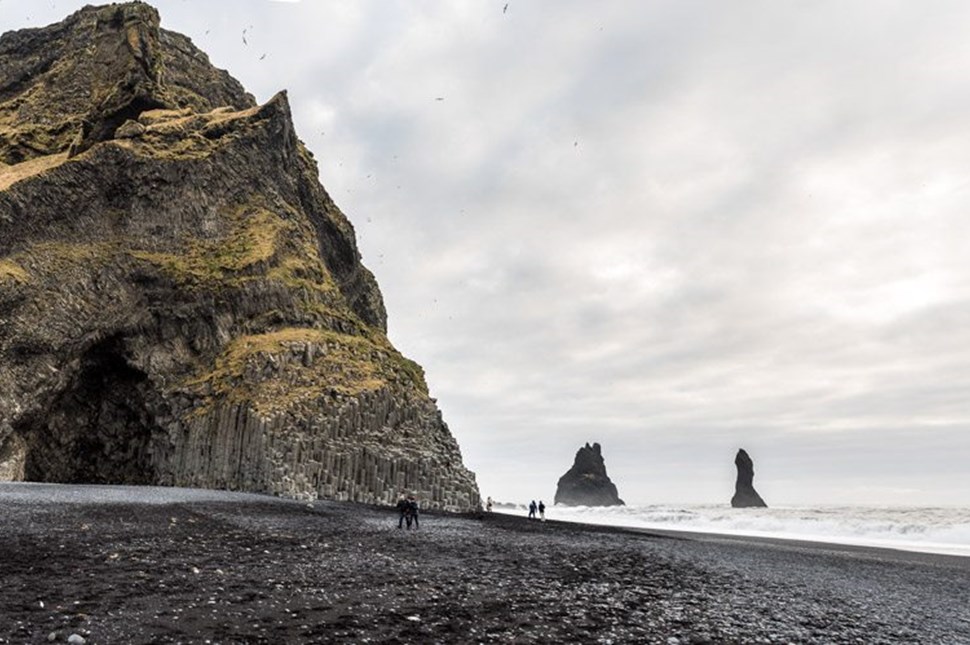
[
  {"x": 532, "y": 510},
  {"x": 412, "y": 511},
  {"x": 402, "y": 508},
  {"x": 488, "y": 504},
  {"x": 542, "y": 511}
]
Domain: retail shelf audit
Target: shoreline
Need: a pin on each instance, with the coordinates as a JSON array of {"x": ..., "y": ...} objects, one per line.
[
  {"x": 252, "y": 569},
  {"x": 899, "y": 554},
  {"x": 801, "y": 529}
]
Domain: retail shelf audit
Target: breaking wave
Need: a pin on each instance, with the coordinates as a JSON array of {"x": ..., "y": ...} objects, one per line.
[{"x": 930, "y": 530}]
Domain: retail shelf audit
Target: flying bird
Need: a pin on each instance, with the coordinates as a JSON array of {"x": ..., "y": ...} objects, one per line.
[
  {"x": 505, "y": 8},
  {"x": 262, "y": 57},
  {"x": 440, "y": 98}
]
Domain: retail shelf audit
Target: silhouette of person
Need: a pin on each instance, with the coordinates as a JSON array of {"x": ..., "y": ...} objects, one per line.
[
  {"x": 542, "y": 511},
  {"x": 532, "y": 510},
  {"x": 402, "y": 508},
  {"x": 412, "y": 512}
]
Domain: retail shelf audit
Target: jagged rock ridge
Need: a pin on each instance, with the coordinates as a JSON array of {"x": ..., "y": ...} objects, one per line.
[
  {"x": 586, "y": 483},
  {"x": 745, "y": 495},
  {"x": 181, "y": 302}
]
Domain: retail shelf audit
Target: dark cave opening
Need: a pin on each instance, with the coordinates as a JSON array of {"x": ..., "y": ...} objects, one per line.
[{"x": 99, "y": 430}]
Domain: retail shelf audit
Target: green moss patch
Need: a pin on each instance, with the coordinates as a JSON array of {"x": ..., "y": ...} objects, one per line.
[
  {"x": 275, "y": 370},
  {"x": 57, "y": 258},
  {"x": 12, "y": 272},
  {"x": 252, "y": 240},
  {"x": 184, "y": 134},
  {"x": 9, "y": 175}
]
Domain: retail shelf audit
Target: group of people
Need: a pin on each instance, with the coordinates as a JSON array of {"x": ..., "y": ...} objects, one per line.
[
  {"x": 408, "y": 508},
  {"x": 533, "y": 507}
]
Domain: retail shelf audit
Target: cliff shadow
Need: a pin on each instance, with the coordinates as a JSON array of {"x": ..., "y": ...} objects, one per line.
[{"x": 99, "y": 429}]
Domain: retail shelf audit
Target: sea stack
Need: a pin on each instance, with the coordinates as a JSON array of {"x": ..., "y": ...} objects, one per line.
[
  {"x": 586, "y": 483},
  {"x": 181, "y": 301},
  {"x": 745, "y": 496}
]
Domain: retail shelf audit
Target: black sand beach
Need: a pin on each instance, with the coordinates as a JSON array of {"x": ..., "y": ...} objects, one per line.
[{"x": 262, "y": 570}]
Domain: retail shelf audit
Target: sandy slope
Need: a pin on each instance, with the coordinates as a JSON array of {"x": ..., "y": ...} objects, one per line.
[{"x": 164, "y": 565}]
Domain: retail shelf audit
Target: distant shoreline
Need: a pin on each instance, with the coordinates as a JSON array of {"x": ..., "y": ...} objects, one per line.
[{"x": 801, "y": 524}]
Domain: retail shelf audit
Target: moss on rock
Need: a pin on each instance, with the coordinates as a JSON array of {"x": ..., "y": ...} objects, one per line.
[
  {"x": 276, "y": 369},
  {"x": 253, "y": 239},
  {"x": 11, "y": 271}
]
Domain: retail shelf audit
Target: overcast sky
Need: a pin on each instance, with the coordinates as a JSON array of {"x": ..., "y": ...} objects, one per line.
[{"x": 675, "y": 228}]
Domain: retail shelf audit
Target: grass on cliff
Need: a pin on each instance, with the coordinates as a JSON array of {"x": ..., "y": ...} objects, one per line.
[
  {"x": 252, "y": 239},
  {"x": 24, "y": 138},
  {"x": 11, "y": 271},
  {"x": 269, "y": 371},
  {"x": 9, "y": 175},
  {"x": 186, "y": 134},
  {"x": 299, "y": 265},
  {"x": 57, "y": 259},
  {"x": 258, "y": 245}
]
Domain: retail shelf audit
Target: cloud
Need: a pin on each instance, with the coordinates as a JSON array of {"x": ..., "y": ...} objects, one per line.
[{"x": 676, "y": 228}]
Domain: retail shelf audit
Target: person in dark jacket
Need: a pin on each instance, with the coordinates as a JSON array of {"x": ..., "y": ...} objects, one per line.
[
  {"x": 412, "y": 511},
  {"x": 542, "y": 511},
  {"x": 532, "y": 510},
  {"x": 402, "y": 508}
]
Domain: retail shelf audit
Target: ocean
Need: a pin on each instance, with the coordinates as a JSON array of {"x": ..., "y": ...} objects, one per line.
[{"x": 944, "y": 530}]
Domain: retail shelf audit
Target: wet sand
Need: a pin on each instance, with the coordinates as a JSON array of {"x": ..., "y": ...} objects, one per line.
[{"x": 195, "y": 567}]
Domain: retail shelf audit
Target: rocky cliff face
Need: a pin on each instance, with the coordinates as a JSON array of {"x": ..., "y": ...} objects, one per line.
[
  {"x": 181, "y": 302},
  {"x": 586, "y": 483},
  {"x": 744, "y": 493}
]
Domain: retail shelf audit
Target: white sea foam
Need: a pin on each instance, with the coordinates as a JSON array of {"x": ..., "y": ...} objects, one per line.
[{"x": 930, "y": 530}]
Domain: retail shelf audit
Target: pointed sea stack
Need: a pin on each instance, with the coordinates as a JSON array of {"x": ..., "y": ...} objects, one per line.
[
  {"x": 181, "y": 301},
  {"x": 586, "y": 483},
  {"x": 745, "y": 496}
]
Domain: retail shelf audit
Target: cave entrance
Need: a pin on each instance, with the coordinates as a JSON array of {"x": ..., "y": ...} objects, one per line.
[{"x": 99, "y": 430}]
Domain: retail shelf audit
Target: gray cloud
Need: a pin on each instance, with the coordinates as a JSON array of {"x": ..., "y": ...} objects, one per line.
[{"x": 676, "y": 228}]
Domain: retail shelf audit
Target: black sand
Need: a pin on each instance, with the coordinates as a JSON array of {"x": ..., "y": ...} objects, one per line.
[{"x": 271, "y": 571}]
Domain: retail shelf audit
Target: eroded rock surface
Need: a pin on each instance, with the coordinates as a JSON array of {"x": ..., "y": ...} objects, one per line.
[
  {"x": 586, "y": 483},
  {"x": 745, "y": 495},
  {"x": 181, "y": 302}
]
